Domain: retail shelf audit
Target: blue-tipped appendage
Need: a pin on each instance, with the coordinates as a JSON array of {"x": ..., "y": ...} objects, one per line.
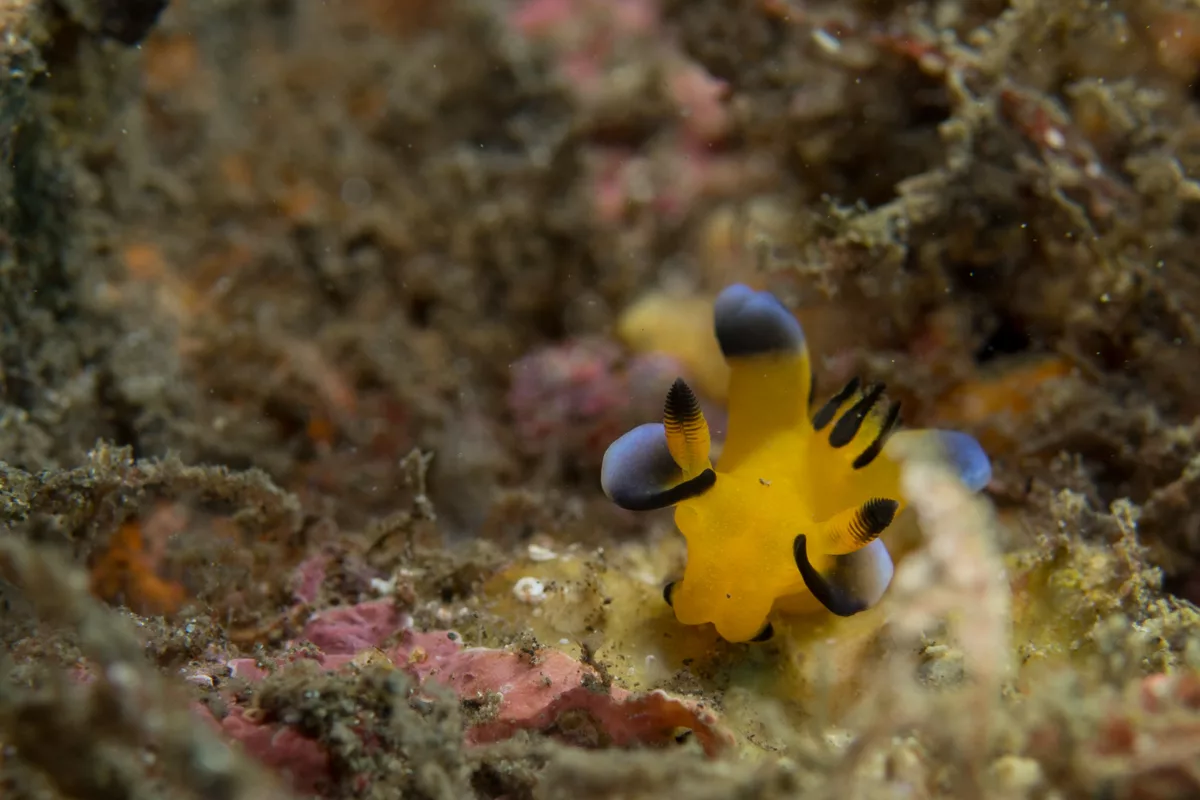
[
  {"x": 967, "y": 457},
  {"x": 750, "y": 323}
]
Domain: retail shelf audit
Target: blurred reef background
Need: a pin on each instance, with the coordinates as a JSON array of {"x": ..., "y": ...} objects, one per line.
[{"x": 319, "y": 316}]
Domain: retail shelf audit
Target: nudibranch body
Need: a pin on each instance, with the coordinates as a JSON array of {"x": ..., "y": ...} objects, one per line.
[{"x": 795, "y": 510}]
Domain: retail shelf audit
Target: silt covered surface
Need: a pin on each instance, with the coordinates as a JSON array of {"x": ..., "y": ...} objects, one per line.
[{"x": 312, "y": 339}]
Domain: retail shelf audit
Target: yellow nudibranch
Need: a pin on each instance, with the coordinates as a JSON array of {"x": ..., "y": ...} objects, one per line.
[{"x": 801, "y": 496}]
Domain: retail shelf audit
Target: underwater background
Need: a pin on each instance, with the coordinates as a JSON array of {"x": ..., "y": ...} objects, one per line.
[{"x": 318, "y": 319}]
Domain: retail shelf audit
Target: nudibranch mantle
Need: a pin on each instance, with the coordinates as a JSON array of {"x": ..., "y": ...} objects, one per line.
[{"x": 793, "y": 514}]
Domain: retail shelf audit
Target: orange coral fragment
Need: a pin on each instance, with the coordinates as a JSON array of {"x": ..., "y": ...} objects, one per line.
[
  {"x": 144, "y": 261},
  {"x": 236, "y": 171},
  {"x": 1012, "y": 390},
  {"x": 395, "y": 17},
  {"x": 170, "y": 62},
  {"x": 301, "y": 199},
  {"x": 990, "y": 405},
  {"x": 1177, "y": 34},
  {"x": 125, "y": 574},
  {"x": 321, "y": 430}
]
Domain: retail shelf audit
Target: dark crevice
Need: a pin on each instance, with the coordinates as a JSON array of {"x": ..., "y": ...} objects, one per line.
[
  {"x": 120, "y": 413},
  {"x": 1007, "y": 338},
  {"x": 420, "y": 310}
]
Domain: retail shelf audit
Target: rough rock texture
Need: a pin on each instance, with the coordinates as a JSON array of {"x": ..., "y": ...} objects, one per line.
[{"x": 307, "y": 306}]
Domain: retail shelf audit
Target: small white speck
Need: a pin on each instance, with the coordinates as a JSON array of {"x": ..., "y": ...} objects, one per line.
[
  {"x": 122, "y": 675},
  {"x": 826, "y": 41},
  {"x": 539, "y": 553},
  {"x": 839, "y": 739},
  {"x": 380, "y": 586},
  {"x": 529, "y": 590}
]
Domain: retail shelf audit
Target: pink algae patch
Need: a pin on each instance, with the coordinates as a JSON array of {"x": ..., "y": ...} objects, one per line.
[
  {"x": 349, "y": 629},
  {"x": 302, "y": 762},
  {"x": 535, "y": 696},
  {"x": 529, "y": 693},
  {"x": 308, "y": 578}
]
